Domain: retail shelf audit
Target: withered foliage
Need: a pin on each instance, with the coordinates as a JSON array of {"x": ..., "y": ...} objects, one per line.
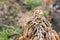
[{"x": 39, "y": 28}]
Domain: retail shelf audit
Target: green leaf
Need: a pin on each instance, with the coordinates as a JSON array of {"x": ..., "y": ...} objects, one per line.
[{"x": 46, "y": 13}]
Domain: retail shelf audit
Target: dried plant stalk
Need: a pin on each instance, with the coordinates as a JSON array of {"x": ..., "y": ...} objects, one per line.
[{"x": 39, "y": 28}]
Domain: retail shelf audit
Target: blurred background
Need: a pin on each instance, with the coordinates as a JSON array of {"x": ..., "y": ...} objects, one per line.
[{"x": 15, "y": 13}]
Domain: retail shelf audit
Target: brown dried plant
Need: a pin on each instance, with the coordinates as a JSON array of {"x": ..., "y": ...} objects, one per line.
[{"x": 39, "y": 28}]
